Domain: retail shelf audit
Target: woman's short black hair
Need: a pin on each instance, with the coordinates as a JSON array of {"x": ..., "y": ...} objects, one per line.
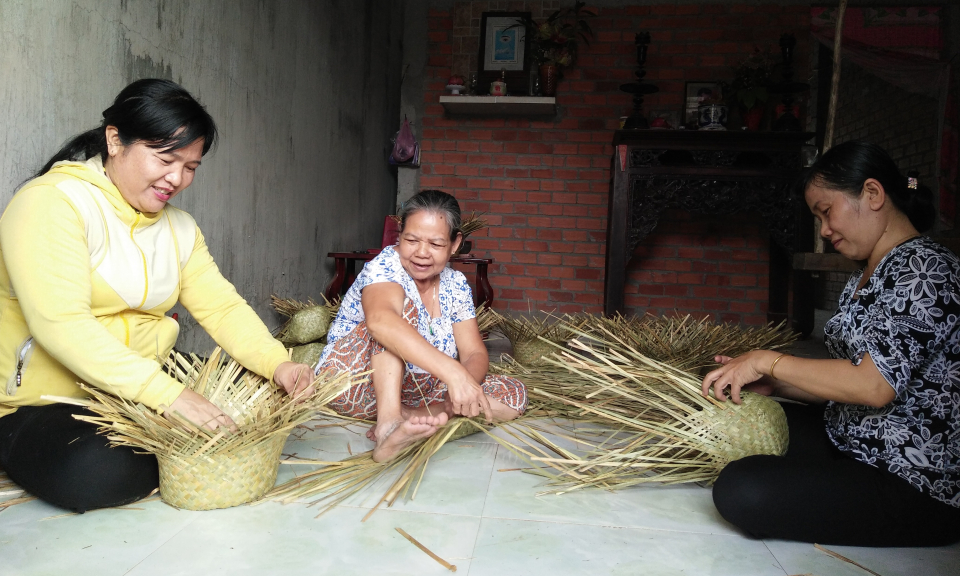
[
  {"x": 159, "y": 113},
  {"x": 846, "y": 167}
]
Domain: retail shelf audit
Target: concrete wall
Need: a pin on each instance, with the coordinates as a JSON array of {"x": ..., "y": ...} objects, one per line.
[{"x": 306, "y": 95}]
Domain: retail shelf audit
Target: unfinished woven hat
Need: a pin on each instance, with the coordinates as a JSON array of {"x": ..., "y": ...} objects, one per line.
[
  {"x": 653, "y": 424},
  {"x": 534, "y": 337},
  {"x": 202, "y": 469},
  {"x": 530, "y": 352}
]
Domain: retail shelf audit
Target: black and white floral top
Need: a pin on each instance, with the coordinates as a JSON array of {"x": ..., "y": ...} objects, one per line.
[{"x": 907, "y": 317}]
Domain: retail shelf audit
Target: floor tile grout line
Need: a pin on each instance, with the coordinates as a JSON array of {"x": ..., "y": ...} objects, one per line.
[
  {"x": 493, "y": 469},
  {"x": 165, "y": 542},
  {"x": 616, "y": 526},
  {"x": 425, "y": 512},
  {"x": 483, "y": 509},
  {"x": 780, "y": 564}
]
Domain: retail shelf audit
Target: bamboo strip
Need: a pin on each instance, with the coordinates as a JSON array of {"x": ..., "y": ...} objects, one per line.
[{"x": 439, "y": 560}]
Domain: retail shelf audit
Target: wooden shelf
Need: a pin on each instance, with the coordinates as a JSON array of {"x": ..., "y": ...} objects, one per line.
[{"x": 500, "y": 105}]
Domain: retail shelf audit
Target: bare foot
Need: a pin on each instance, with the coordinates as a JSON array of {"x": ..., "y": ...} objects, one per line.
[
  {"x": 407, "y": 412},
  {"x": 397, "y": 435}
]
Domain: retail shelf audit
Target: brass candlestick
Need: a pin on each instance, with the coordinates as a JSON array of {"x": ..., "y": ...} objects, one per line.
[
  {"x": 788, "y": 121},
  {"x": 639, "y": 88}
]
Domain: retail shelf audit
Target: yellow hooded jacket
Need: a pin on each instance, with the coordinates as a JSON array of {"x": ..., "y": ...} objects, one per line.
[{"x": 85, "y": 282}]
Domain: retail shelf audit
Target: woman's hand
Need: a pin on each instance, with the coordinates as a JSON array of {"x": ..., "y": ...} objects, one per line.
[
  {"x": 467, "y": 397},
  {"x": 295, "y": 378},
  {"x": 737, "y": 373},
  {"x": 198, "y": 410}
]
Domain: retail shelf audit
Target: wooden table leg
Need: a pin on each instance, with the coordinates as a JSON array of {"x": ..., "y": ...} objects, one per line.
[
  {"x": 484, "y": 290},
  {"x": 333, "y": 291},
  {"x": 351, "y": 274},
  {"x": 344, "y": 278},
  {"x": 615, "y": 274}
]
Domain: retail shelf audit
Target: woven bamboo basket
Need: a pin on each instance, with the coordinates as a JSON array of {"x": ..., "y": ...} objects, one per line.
[
  {"x": 757, "y": 426},
  {"x": 531, "y": 352},
  {"x": 223, "y": 480},
  {"x": 203, "y": 469}
]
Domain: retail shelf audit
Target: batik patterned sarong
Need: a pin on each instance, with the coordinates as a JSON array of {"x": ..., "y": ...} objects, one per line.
[{"x": 353, "y": 353}]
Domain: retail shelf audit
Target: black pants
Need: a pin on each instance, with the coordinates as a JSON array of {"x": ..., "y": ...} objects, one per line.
[
  {"x": 66, "y": 463},
  {"x": 815, "y": 493}
]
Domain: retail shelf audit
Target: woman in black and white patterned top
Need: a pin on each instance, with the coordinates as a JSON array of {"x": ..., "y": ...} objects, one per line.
[{"x": 879, "y": 464}]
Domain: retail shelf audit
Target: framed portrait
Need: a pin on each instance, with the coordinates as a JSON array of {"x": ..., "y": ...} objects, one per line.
[
  {"x": 698, "y": 93},
  {"x": 503, "y": 45}
]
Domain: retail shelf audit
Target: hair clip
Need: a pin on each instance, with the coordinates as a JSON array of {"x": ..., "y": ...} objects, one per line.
[{"x": 911, "y": 183}]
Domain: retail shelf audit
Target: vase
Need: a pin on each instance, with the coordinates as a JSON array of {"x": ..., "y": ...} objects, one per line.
[
  {"x": 712, "y": 117},
  {"x": 752, "y": 117},
  {"x": 548, "y": 79}
]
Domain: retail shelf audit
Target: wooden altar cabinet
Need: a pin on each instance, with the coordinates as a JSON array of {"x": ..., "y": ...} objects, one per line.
[{"x": 716, "y": 173}]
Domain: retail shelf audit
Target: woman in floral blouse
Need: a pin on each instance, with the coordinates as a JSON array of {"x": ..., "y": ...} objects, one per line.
[
  {"x": 410, "y": 318},
  {"x": 879, "y": 463}
]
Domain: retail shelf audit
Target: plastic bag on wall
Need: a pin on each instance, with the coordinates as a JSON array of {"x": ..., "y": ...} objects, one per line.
[{"x": 406, "y": 149}]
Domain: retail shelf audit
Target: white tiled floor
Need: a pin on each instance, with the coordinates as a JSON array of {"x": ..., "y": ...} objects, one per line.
[
  {"x": 484, "y": 521},
  {"x": 469, "y": 512}
]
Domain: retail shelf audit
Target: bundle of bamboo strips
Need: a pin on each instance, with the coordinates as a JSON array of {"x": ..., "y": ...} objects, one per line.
[
  {"x": 633, "y": 435},
  {"x": 684, "y": 342},
  {"x": 10, "y": 493},
  {"x": 288, "y": 306},
  {"x": 472, "y": 222},
  {"x": 337, "y": 481},
  {"x": 486, "y": 318},
  {"x": 654, "y": 424},
  {"x": 202, "y": 469}
]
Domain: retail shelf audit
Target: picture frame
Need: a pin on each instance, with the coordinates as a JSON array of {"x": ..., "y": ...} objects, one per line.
[
  {"x": 695, "y": 93},
  {"x": 503, "y": 44}
]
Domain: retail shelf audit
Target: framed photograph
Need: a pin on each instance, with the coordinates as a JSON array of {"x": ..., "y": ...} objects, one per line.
[
  {"x": 698, "y": 93},
  {"x": 503, "y": 49}
]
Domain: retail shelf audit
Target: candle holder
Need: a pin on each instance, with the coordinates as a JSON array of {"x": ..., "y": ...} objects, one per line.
[
  {"x": 639, "y": 88},
  {"x": 787, "y": 119}
]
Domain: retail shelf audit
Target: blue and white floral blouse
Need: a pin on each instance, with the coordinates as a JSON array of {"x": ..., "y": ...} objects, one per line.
[
  {"x": 453, "y": 292},
  {"x": 907, "y": 317}
]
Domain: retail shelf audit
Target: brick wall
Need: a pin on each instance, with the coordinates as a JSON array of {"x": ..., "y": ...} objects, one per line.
[
  {"x": 903, "y": 123},
  {"x": 544, "y": 185}
]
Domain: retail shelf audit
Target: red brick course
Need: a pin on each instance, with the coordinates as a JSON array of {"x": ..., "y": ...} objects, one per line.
[{"x": 544, "y": 185}]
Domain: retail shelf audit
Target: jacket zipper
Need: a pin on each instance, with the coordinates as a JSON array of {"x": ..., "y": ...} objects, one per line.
[
  {"x": 23, "y": 356},
  {"x": 143, "y": 257}
]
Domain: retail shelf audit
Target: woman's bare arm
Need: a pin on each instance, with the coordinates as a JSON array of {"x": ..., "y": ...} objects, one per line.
[
  {"x": 837, "y": 380},
  {"x": 383, "y": 311},
  {"x": 471, "y": 349}
]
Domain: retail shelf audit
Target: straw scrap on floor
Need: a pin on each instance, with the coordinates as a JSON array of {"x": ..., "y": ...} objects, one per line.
[{"x": 334, "y": 482}]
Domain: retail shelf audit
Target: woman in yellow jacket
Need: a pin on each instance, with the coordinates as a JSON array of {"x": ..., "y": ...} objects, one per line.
[{"x": 92, "y": 259}]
